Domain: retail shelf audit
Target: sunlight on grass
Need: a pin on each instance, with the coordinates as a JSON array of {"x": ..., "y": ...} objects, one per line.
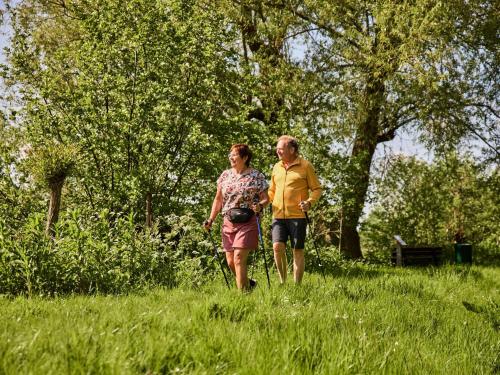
[{"x": 374, "y": 320}]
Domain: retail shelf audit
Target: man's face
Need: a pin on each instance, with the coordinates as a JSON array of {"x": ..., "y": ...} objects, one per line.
[{"x": 284, "y": 152}]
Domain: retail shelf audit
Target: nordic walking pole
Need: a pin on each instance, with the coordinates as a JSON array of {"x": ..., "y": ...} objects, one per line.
[
  {"x": 253, "y": 263},
  {"x": 316, "y": 248},
  {"x": 263, "y": 250},
  {"x": 217, "y": 258}
]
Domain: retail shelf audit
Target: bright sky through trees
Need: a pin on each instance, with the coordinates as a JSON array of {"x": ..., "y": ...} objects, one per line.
[{"x": 404, "y": 143}]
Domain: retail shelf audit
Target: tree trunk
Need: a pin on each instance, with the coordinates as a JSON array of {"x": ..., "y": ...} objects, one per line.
[
  {"x": 360, "y": 160},
  {"x": 149, "y": 210},
  {"x": 54, "y": 206}
]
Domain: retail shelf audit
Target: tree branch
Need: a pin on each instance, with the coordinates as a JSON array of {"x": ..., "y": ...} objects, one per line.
[
  {"x": 328, "y": 28},
  {"x": 495, "y": 149},
  {"x": 488, "y": 107}
]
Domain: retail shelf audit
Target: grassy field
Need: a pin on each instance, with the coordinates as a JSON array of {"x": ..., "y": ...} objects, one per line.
[{"x": 364, "y": 319}]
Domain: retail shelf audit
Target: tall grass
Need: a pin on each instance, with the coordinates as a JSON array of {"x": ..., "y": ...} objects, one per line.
[
  {"x": 104, "y": 253},
  {"x": 363, "y": 319}
]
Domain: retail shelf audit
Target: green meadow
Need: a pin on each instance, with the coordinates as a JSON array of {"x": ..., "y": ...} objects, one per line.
[
  {"x": 364, "y": 319},
  {"x": 116, "y": 120}
]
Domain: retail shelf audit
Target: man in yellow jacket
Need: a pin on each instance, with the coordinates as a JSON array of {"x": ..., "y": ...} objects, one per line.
[{"x": 293, "y": 190}]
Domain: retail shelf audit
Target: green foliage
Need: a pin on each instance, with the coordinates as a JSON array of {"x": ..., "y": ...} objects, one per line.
[
  {"x": 152, "y": 94},
  {"x": 143, "y": 89},
  {"x": 106, "y": 253},
  {"x": 431, "y": 203},
  {"x": 368, "y": 70},
  {"x": 52, "y": 163},
  {"x": 18, "y": 197},
  {"x": 365, "y": 319}
]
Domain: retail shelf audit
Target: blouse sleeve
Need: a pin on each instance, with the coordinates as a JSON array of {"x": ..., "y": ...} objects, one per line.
[
  {"x": 221, "y": 178},
  {"x": 262, "y": 184}
]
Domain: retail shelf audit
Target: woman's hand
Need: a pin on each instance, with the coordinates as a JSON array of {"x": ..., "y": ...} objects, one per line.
[
  {"x": 257, "y": 207},
  {"x": 261, "y": 200},
  {"x": 208, "y": 224}
]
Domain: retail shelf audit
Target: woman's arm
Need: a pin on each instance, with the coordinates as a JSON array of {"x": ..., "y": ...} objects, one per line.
[
  {"x": 262, "y": 203},
  {"x": 216, "y": 207}
]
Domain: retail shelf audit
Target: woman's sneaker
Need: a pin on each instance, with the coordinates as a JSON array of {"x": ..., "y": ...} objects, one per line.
[{"x": 252, "y": 284}]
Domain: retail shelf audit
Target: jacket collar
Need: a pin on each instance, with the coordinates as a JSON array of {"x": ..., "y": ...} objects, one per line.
[{"x": 295, "y": 162}]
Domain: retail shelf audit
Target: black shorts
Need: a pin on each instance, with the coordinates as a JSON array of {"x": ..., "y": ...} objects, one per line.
[{"x": 293, "y": 228}]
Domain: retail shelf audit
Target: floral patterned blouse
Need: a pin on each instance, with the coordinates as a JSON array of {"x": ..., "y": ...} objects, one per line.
[{"x": 241, "y": 190}]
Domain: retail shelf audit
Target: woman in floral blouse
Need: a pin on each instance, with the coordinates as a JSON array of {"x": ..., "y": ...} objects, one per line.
[{"x": 240, "y": 187}]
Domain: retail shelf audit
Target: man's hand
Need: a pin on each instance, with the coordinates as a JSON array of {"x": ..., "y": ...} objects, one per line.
[{"x": 305, "y": 206}]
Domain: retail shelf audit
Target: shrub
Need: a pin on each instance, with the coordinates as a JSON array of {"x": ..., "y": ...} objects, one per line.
[{"x": 104, "y": 253}]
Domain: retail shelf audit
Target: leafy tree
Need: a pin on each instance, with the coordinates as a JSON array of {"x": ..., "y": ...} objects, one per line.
[
  {"x": 152, "y": 93},
  {"x": 17, "y": 195},
  {"x": 143, "y": 89},
  {"x": 51, "y": 165},
  {"x": 388, "y": 65},
  {"x": 284, "y": 92},
  {"x": 346, "y": 77},
  {"x": 431, "y": 203}
]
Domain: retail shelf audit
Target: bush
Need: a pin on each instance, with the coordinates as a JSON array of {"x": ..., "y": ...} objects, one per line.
[{"x": 105, "y": 253}]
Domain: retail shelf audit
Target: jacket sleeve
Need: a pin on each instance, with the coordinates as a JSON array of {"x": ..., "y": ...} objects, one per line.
[
  {"x": 313, "y": 184},
  {"x": 272, "y": 188}
]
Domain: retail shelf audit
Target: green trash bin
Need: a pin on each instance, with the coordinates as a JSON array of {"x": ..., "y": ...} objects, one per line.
[{"x": 463, "y": 253}]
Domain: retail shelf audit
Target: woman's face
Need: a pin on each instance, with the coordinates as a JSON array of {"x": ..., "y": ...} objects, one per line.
[{"x": 236, "y": 160}]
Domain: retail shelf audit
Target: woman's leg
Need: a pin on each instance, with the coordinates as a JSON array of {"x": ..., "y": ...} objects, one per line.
[
  {"x": 240, "y": 266},
  {"x": 230, "y": 261}
]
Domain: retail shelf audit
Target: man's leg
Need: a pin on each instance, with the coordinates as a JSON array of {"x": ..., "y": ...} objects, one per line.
[
  {"x": 280, "y": 235},
  {"x": 298, "y": 265},
  {"x": 297, "y": 228},
  {"x": 280, "y": 260}
]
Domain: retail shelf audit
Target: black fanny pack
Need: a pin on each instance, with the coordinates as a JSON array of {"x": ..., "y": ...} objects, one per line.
[{"x": 239, "y": 215}]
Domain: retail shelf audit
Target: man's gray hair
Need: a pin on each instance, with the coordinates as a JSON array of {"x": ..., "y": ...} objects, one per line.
[{"x": 290, "y": 142}]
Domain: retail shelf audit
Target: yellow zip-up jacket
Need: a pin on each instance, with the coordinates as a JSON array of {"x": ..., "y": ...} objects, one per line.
[{"x": 289, "y": 186}]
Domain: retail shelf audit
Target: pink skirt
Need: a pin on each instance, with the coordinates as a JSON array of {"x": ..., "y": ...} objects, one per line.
[{"x": 240, "y": 235}]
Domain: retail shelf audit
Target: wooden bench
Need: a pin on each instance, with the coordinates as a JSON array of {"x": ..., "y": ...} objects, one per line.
[{"x": 404, "y": 255}]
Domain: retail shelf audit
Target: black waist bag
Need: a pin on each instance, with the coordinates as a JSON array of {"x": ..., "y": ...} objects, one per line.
[{"x": 239, "y": 215}]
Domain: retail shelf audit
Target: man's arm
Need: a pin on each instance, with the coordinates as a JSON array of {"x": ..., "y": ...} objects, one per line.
[
  {"x": 272, "y": 188},
  {"x": 313, "y": 184}
]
